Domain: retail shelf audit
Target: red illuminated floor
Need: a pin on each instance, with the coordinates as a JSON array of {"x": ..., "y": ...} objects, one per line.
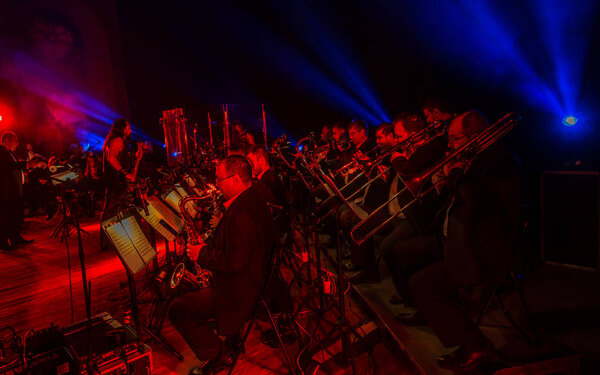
[{"x": 34, "y": 291}]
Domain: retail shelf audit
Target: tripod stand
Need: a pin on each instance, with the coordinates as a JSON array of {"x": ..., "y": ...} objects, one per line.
[
  {"x": 66, "y": 224},
  {"x": 70, "y": 222},
  {"x": 342, "y": 327}
]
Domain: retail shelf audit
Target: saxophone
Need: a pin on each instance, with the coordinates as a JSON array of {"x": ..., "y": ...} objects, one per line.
[{"x": 203, "y": 277}]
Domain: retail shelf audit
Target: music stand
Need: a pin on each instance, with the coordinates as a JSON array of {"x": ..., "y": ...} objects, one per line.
[
  {"x": 64, "y": 180},
  {"x": 342, "y": 326},
  {"x": 135, "y": 253}
]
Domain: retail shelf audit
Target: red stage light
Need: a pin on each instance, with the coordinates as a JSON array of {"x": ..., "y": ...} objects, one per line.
[{"x": 6, "y": 115}]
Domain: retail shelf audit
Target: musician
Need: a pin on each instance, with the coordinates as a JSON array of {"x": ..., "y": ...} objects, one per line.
[
  {"x": 325, "y": 135},
  {"x": 11, "y": 193},
  {"x": 241, "y": 138},
  {"x": 338, "y": 142},
  {"x": 338, "y": 133},
  {"x": 480, "y": 228},
  {"x": 363, "y": 146},
  {"x": 117, "y": 168},
  {"x": 263, "y": 171},
  {"x": 414, "y": 241},
  {"x": 34, "y": 190},
  {"x": 239, "y": 260},
  {"x": 363, "y": 256},
  {"x": 436, "y": 110}
]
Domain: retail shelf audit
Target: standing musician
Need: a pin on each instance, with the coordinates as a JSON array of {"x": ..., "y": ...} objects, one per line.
[
  {"x": 240, "y": 262},
  {"x": 117, "y": 168},
  {"x": 11, "y": 193},
  {"x": 479, "y": 228}
]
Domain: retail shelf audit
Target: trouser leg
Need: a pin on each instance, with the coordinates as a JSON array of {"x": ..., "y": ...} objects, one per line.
[
  {"x": 190, "y": 314},
  {"x": 435, "y": 294}
]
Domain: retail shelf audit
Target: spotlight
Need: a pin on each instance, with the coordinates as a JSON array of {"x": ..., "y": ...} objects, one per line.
[
  {"x": 569, "y": 120},
  {"x": 0, "y": 117}
]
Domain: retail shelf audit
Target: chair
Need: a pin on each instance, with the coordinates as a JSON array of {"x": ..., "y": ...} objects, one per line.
[{"x": 262, "y": 301}]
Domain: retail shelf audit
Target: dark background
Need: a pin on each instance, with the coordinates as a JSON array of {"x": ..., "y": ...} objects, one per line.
[
  {"x": 310, "y": 63},
  {"x": 238, "y": 52}
]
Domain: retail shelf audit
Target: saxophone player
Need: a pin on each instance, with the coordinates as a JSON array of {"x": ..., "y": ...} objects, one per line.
[{"x": 239, "y": 261}]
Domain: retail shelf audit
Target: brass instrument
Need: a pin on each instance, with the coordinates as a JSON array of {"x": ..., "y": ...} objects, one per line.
[
  {"x": 414, "y": 186},
  {"x": 203, "y": 277},
  {"x": 359, "y": 165},
  {"x": 406, "y": 147}
]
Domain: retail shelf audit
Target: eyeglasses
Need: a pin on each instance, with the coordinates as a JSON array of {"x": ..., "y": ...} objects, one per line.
[
  {"x": 453, "y": 139},
  {"x": 218, "y": 180}
]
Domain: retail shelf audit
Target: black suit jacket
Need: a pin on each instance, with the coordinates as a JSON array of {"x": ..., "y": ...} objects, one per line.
[
  {"x": 274, "y": 184},
  {"x": 483, "y": 221},
  {"x": 422, "y": 213},
  {"x": 240, "y": 259},
  {"x": 11, "y": 186}
]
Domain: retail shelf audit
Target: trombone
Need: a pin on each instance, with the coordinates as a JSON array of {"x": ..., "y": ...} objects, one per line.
[
  {"x": 406, "y": 147},
  {"x": 414, "y": 186}
]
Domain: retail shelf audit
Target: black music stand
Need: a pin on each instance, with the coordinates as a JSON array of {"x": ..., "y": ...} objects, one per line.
[
  {"x": 342, "y": 325},
  {"x": 64, "y": 181},
  {"x": 135, "y": 253},
  {"x": 164, "y": 221}
]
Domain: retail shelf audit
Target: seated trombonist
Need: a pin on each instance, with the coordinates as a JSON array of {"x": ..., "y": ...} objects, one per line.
[
  {"x": 240, "y": 262},
  {"x": 480, "y": 227}
]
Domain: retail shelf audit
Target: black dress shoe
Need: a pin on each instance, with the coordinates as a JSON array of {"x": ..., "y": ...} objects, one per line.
[
  {"x": 213, "y": 366},
  {"x": 463, "y": 359},
  {"x": 396, "y": 299},
  {"x": 412, "y": 319},
  {"x": 201, "y": 370},
  {"x": 364, "y": 277}
]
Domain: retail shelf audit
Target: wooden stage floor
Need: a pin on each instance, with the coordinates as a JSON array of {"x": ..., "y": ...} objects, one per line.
[{"x": 35, "y": 292}]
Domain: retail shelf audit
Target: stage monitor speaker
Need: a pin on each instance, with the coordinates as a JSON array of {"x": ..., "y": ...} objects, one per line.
[{"x": 570, "y": 223}]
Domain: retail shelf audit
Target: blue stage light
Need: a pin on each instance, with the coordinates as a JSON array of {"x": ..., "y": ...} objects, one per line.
[{"x": 569, "y": 120}]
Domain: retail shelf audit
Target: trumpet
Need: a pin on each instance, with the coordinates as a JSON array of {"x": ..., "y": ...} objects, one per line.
[
  {"x": 203, "y": 277},
  {"x": 359, "y": 164},
  {"x": 413, "y": 189}
]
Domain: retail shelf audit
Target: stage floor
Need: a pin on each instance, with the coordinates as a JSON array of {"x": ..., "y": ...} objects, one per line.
[{"x": 35, "y": 292}]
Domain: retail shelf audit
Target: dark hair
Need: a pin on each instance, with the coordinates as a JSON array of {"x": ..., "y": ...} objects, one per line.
[
  {"x": 260, "y": 151},
  {"x": 385, "y": 128},
  {"x": 474, "y": 123},
  {"x": 116, "y": 130},
  {"x": 412, "y": 122},
  {"x": 358, "y": 124},
  {"x": 238, "y": 165},
  {"x": 434, "y": 103},
  {"x": 8, "y": 135},
  {"x": 338, "y": 125}
]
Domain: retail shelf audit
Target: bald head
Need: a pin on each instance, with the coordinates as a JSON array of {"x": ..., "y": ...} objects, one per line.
[{"x": 465, "y": 127}]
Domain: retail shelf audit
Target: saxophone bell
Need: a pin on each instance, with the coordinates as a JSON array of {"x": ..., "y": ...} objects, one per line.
[{"x": 203, "y": 277}]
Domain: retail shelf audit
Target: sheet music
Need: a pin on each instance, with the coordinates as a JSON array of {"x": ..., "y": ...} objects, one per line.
[
  {"x": 125, "y": 247},
  {"x": 131, "y": 243},
  {"x": 190, "y": 206},
  {"x": 140, "y": 242},
  {"x": 162, "y": 219},
  {"x": 173, "y": 198}
]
